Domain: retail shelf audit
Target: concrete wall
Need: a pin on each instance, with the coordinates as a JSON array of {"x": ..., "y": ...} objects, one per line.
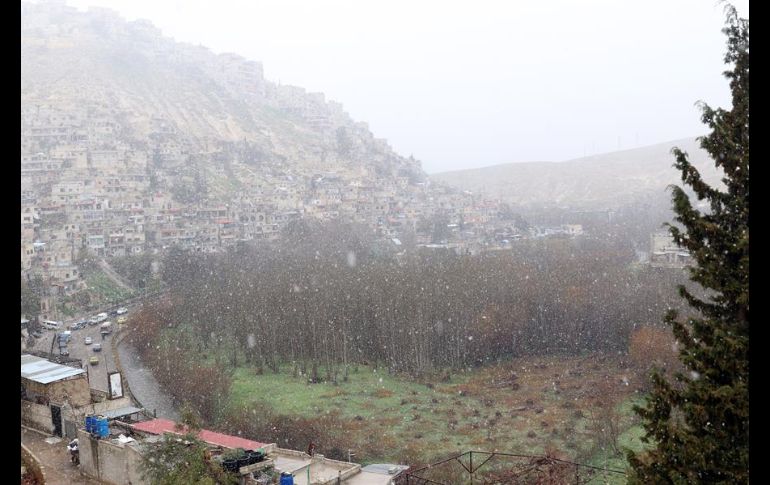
[
  {"x": 324, "y": 467},
  {"x": 322, "y": 470},
  {"x": 36, "y": 416},
  {"x": 109, "y": 462},
  {"x": 32, "y": 463},
  {"x": 112, "y": 462},
  {"x": 134, "y": 461},
  {"x": 347, "y": 470},
  {"x": 78, "y": 415},
  {"x": 73, "y": 391},
  {"x": 99, "y": 408},
  {"x": 112, "y": 404}
]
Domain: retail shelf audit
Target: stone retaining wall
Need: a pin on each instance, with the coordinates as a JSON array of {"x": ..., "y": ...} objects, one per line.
[{"x": 33, "y": 464}]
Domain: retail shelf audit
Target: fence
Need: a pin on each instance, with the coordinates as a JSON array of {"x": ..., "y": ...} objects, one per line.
[{"x": 481, "y": 467}]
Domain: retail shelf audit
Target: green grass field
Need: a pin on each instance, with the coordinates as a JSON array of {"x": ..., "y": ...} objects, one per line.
[
  {"x": 105, "y": 289},
  {"x": 473, "y": 411},
  {"x": 629, "y": 439}
]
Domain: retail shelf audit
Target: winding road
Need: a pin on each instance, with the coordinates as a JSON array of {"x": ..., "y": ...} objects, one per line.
[
  {"x": 145, "y": 388},
  {"x": 140, "y": 379},
  {"x": 143, "y": 384}
]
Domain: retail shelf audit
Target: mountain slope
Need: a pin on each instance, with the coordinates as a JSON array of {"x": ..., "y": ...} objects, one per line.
[
  {"x": 599, "y": 181},
  {"x": 152, "y": 90}
]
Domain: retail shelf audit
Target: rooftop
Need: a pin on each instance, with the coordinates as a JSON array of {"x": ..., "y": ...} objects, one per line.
[
  {"x": 40, "y": 370},
  {"x": 160, "y": 426}
]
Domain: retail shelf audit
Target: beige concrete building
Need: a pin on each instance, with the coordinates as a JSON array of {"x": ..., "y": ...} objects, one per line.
[
  {"x": 55, "y": 398},
  {"x": 666, "y": 254},
  {"x": 45, "y": 382}
]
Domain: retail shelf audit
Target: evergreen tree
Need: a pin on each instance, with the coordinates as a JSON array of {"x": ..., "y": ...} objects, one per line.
[
  {"x": 182, "y": 460},
  {"x": 699, "y": 423}
]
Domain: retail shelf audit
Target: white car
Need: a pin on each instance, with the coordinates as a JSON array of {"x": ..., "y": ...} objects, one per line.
[
  {"x": 51, "y": 325},
  {"x": 122, "y": 310},
  {"x": 88, "y": 341}
]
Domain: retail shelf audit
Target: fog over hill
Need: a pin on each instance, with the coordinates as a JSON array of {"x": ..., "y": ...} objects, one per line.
[
  {"x": 600, "y": 181},
  {"x": 138, "y": 89}
]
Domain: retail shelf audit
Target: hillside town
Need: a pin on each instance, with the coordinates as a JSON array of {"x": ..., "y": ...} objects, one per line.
[
  {"x": 108, "y": 174},
  {"x": 229, "y": 279}
]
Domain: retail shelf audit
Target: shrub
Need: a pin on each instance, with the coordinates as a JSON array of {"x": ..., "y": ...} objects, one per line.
[{"x": 651, "y": 347}]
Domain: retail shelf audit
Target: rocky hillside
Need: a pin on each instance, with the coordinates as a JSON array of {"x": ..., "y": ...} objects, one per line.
[
  {"x": 607, "y": 180},
  {"x": 130, "y": 86}
]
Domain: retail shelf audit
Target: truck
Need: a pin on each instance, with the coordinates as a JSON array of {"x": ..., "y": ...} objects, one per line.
[
  {"x": 64, "y": 338},
  {"x": 106, "y": 328}
]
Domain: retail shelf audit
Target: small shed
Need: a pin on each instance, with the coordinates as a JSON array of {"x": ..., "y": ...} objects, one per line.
[{"x": 43, "y": 382}]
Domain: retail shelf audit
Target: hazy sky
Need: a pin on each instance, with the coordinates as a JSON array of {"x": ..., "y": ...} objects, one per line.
[{"x": 469, "y": 84}]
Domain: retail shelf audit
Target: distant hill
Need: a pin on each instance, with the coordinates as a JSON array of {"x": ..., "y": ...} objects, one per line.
[{"x": 606, "y": 180}]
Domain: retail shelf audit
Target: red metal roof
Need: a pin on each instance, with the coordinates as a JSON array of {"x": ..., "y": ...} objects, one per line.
[{"x": 160, "y": 426}]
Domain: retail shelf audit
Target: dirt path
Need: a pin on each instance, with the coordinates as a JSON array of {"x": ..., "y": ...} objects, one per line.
[
  {"x": 113, "y": 275},
  {"x": 54, "y": 458}
]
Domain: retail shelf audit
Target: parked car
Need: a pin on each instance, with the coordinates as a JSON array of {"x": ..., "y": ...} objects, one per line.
[
  {"x": 122, "y": 320},
  {"x": 122, "y": 310},
  {"x": 37, "y": 334},
  {"x": 93, "y": 360},
  {"x": 63, "y": 351},
  {"x": 97, "y": 347},
  {"x": 101, "y": 317},
  {"x": 79, "y": 324},
  {"x": 93, "y": 320},
  {"x": 113, "y": 313},
  {"x": 88, "y": 341}
]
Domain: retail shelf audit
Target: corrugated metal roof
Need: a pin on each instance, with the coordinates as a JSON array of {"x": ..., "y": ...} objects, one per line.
[{"x": 40, "y": 370}]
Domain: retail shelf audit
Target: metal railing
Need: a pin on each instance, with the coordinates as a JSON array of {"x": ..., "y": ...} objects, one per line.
[{"x": 509, "y": 468}]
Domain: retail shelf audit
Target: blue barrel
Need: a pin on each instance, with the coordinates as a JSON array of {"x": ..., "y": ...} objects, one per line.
[
  {"x": 102, "y": 428},
  {"x": 287, "y": 478},
  {"x": 90, "y": 424}
]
